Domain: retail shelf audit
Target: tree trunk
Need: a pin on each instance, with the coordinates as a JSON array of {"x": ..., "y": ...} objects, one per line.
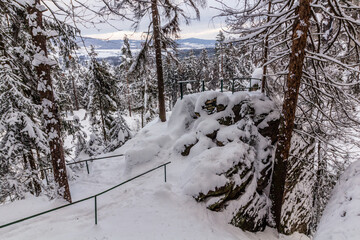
[
  {"x": 75, "y": 94},
  {"x": 128, "y": 94},
  {"x": 103, "y": 121},
  {"x": 299, "y": 37},
  {"x": 266, "y": 53},
  {"x": 51, "y": 117},
  {"x": 159, "y": 69},
  {"x": 37, "y": 187}
]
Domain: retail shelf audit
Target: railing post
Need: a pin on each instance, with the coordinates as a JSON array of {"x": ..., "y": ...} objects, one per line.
[
  {"x": 87, "y": 167},
  {"x": 221, "y": 84},
  {"x": 95, "y": 210},
  {"x": 165, "y": 172},
  {"x": 181, "y": 90}
]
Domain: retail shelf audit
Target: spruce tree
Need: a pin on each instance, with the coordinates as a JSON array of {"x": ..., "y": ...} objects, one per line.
[{"x": 101, "y": 94}]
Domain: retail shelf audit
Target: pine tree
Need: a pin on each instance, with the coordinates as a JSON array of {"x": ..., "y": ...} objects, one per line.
[
  {"x": 22, "y": 136},
  {"x": 101, "y": 94},
  {"x": 171, "y": 75},
  {"x": 42, "y": 64},
  {"x": 299, "y": 39},
  {"x": 123, "y": 72},
  {"x": 119, "y": 133},
  {"x": 204, "y": 68},
  {"x": 190, "y": 71},
  {"x": 161, "y": 33},
  {"x": 323, "y": 80}
]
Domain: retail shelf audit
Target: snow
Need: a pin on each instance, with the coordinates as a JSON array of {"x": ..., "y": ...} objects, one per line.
[
  {"x": 208, "y": 127},
  {"x": 147, "y": 208},
  {"x": 257, "y": 73},
  {"x": 143, "y": 154},
  {"x": 202, "y": 177},
  {"x": 341, "y": 218},
  {"x": 256, "y": 77}
]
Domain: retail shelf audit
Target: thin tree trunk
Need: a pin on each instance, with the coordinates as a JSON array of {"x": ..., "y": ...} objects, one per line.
[
  {"x": 51, "y": 117},
  {"x": 266, "y": 53},
  {"x": 159, "y": 69},
  {"x": 102, "y": 119},
  {"x": 128, "y": 94},
  {"x": 299, "y": 38},
  {"x": 37, "y": 187},
  {"x": 75, "y": 94},
  {"x": 26, "y": 168}
]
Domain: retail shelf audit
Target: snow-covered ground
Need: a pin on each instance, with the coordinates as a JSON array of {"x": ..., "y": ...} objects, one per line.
[
  {"x": 341, "y": 218},
  {"x": 146, "y": 208}
]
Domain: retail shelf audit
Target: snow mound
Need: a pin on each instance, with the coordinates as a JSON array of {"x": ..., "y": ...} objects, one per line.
[
  {"x": 137, "y": 156},
  {"x": 341, "y": 218}
]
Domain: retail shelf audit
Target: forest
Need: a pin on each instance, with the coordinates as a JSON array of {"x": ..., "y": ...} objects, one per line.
[{"x": 262, "y": 132}]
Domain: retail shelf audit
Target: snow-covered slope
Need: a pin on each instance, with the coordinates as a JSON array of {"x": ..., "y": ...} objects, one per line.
[
  {"x": 146, "y": 208},
  {"x": 341, "y": 218}
]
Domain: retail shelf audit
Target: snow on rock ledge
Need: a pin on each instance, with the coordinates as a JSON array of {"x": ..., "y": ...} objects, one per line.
[
  {"x": 341, "y": 218},
  {"x": 227, "y": 140}
]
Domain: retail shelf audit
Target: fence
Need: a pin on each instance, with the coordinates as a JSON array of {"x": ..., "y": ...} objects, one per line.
[
  {"x": 88, "y": 198},
  {"x": 242, "y": 88},
  {"x": 81, "y": 161}
]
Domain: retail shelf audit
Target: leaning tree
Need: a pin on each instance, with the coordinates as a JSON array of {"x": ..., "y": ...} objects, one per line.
[{"x": 310, "y": 53}]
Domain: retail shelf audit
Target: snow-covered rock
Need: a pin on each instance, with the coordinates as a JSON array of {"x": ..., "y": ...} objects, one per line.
[
  {"x": 227, "y": 141},
  {"x": 341, "y": 218}
]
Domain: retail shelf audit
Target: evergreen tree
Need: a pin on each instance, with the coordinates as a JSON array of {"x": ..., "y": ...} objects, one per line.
[
  {"x": 101, "y": 94},
  {"x": 172, "y": 76},
  {"x": 22, "y": 136},
  {"x": 42, "y": 64},
  {"x": 160, "y": 35},
  {"x": 126, "y": 59},
  {"x": 190, "y": 72},
  {"x": 203, "y": 68},
  {"x": 321, "y": 70}
]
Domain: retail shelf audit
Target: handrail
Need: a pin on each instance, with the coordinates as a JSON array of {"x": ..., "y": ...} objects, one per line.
[
  {"x": 87, "y": 198},
  {"x": 87, "y": 160},
  {"x": 84, "y": 160},
  {"x": 221, "y": 84}
]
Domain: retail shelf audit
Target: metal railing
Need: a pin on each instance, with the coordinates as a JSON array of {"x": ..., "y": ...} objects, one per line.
[
  {"x": 182, "y": 88},
  {"x": 88, "y": 198},
  {"x": 81, "y": 161},
  {"x": 250, "y": 88}
]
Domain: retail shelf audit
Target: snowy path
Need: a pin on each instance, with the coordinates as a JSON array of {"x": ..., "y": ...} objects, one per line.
[{"x": 146, "y": 208}]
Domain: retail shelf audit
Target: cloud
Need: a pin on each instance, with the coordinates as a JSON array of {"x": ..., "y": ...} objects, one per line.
[{"x": 206, "y": 28}]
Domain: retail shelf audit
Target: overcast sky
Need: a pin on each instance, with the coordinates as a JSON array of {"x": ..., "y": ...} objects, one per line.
[{"x": 206, "y": 28}]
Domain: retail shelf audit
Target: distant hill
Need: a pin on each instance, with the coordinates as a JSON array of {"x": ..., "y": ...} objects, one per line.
[
  {"x": 188, "y": 43},
  {"x": 109, "y": 50}
]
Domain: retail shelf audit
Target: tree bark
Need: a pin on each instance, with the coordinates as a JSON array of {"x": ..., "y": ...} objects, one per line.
[
  {"x": 127, "y": 92},
  {"x": 297, "y": 56},
  {"x": 75, "y": 94},
  {"x": 37, "y": 187},
  {"x": 102, "y": 119},
  {"x": 51, "y": 119},
  {"x": 159, "y": 68},
  {"x": 266, "y": 53}
]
